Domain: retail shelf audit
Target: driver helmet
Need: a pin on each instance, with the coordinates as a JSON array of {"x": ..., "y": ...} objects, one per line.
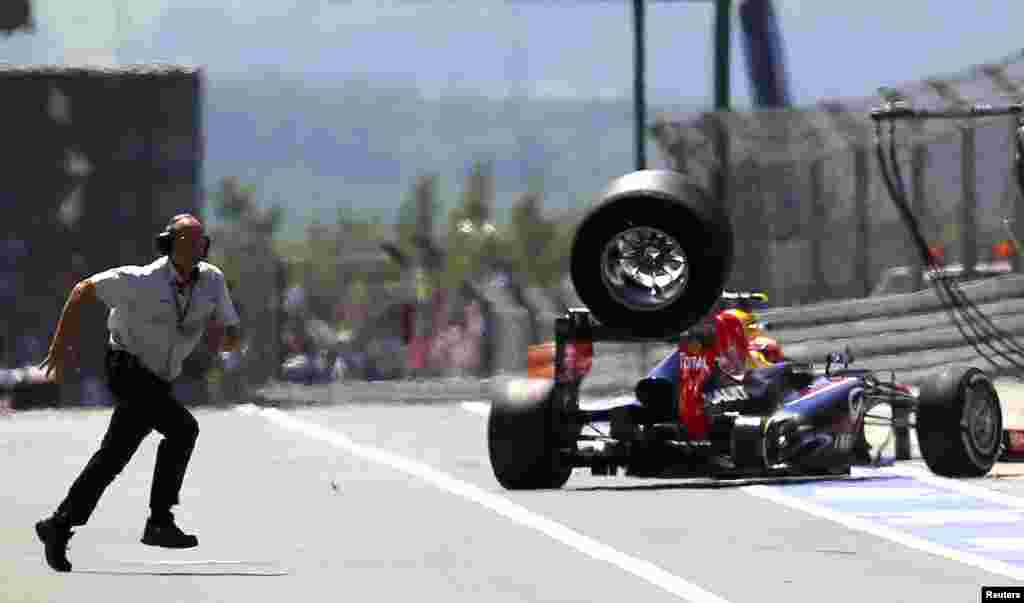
[
  {"x": 751, "y": 326},
  {"x": 733, "y": 345}
]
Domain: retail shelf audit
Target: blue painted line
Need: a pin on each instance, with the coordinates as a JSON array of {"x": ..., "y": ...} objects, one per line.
[{"x": 933, "y": 510}]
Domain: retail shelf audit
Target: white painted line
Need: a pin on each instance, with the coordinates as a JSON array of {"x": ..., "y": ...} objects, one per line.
[
  {"x": 939, "y": 518},
  {"x": 502, "y": 506},
  {"x": 855, "y": 523},
  {"x": 999, "y": 544},
  {"x": 858, "y": 492},
  {"x": 477, "y": 408}
]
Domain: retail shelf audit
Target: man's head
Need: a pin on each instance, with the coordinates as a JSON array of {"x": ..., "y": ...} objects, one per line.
[{"x": 187, "y": 241}]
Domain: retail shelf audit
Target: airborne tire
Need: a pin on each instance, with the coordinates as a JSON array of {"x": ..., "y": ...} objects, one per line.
[
  {"x": 960, "y": 423},
  {"x": 669, "y": 202},
  {"x": 523, "y": 440}
]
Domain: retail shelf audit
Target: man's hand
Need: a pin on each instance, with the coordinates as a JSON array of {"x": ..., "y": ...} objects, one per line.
[
  {"x": 232, "y": 339},
  {"x": 58, "y": 362}
]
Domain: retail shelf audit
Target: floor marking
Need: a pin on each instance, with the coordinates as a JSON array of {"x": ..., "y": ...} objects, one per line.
[
  {"x": 998, "y": 544},
  {"x": 874, "y": 493},
  {"x": 938, "y": 487},
  {"x": 940, "y": 518},
  {"x": 964, "y": 487},
  {"x": 477, "y": 408},
  {"x": 502, "y": 506},
  {"x": 856, "y": 523}
]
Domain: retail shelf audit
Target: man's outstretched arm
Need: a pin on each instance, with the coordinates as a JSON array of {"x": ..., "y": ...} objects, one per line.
[{"x": 67, "y": 338}]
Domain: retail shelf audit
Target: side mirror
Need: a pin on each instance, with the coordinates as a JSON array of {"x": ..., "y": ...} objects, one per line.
[{"x": 836, "y": 358}]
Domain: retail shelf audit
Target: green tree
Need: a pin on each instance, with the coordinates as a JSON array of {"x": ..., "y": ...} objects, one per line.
[
  {"x": 241, "y": 219},
  {"x": 233, "y": 200},
  {"x": 235, "y": 204},
  {"x": 471, "y": 235},
  {"x": 533, "y": 245},
  {"x": 478, "y": 196},
  {"x": 361, "y": 226},
  {"x": 418, "y": 213},
  {"x": 323, "y": 254}
]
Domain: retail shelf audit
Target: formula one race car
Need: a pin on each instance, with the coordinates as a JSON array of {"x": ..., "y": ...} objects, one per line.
[{"x": 650, "y": 262}]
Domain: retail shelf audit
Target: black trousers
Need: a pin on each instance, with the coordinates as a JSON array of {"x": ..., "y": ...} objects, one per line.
[{"x": 143, "y": 404}]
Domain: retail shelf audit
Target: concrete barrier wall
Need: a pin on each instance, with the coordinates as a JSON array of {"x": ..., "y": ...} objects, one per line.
[
  {"x": 912, "y": 334},
  {"x": 890, "y": 306}
]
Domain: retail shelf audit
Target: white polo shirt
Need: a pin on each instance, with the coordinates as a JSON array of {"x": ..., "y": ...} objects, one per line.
[{"x": 144, "y": 319}]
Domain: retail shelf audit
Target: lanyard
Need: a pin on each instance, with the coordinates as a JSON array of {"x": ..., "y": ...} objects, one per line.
[{"x": 181, "y": 312}]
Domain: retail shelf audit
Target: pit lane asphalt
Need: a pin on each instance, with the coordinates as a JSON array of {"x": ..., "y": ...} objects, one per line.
[{"x": 350, "y": 528}]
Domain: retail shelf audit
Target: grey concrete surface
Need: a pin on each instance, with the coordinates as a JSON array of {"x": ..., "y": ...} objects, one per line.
[{"x": 350, "y": 529}]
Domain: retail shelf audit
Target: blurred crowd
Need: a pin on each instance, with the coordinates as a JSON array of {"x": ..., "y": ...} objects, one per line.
[{"x": 445, "y": 333}]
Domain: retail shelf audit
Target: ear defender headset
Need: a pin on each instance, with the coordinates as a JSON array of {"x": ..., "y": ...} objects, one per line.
[{"x": 165, "y": 240}]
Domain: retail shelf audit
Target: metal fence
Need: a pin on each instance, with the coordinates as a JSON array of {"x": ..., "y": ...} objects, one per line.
[{"x": 812, "y": 217}]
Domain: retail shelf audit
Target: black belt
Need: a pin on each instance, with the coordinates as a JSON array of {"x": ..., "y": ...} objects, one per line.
[{"x": 119, "y": 362}]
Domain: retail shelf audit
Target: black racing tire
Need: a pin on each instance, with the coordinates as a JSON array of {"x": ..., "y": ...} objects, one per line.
[
  {"x": 668, "y": 202},
  {"x": 524, "y": 437},
  {"x": 960, "y": 423}
]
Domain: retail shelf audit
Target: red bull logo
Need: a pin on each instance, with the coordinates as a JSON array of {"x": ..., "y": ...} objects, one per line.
[
  {"x": 695, "y": 362},
  {"x": 729, "y": 352}
]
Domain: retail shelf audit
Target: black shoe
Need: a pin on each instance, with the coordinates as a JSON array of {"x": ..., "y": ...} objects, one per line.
[
  {"x": 168, "y": 535},
  {"x": 55, "y": 535}
]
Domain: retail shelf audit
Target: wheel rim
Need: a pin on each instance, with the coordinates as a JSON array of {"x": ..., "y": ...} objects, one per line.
[
  {"x": 981, "y": 417},
  {"x": 644, "y": 268}
]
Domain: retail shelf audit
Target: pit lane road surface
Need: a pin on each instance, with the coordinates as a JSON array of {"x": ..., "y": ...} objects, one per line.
[{"x": 398, "y": 503}]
